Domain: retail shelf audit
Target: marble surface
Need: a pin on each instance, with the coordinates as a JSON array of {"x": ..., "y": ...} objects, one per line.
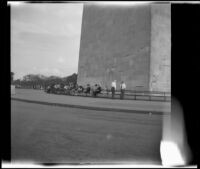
[
  {"x": 131, "y": 43},
  {"x": 115, "y": 45}
]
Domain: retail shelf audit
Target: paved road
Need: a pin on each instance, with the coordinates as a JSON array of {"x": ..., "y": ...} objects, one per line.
[
  {"x": 58, "y": 134},
  {"x": 38, "y": 95}
]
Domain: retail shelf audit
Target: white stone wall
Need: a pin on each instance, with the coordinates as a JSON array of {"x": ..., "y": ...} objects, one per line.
[
  {"x": 160, "y": 55},
  {"x": 115, "y": 45}
]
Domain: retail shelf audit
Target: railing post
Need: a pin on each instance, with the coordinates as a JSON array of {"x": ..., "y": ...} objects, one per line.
[
  {"x": 164, "y": 96},
  {"x": 150, "y": 96},
  {"x": 135, "y": 94}
]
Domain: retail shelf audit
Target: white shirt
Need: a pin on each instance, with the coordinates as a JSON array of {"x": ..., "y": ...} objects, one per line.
[
  {"x": 123, "y": 86},
  {"x": 114, "y": 85}
]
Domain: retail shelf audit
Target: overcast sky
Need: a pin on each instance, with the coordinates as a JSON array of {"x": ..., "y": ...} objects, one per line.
[{"x": 45, "y": 38}]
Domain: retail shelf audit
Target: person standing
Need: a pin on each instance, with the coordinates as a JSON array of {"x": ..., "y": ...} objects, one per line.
[
  {"x": 95, "y": 90},
  {"x": 122, "y": 88},
  {"x": 113, "y": 88}
]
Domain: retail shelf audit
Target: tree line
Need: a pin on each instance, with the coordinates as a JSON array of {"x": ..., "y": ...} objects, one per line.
[{"x": 40, "y": 81}]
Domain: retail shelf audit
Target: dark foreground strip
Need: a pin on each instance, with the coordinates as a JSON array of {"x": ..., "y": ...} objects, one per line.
[{"x": 88, "y": 107}]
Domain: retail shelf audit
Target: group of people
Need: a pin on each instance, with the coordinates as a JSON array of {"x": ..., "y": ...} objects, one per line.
[
  {"x": 71, "y": 88},
  {"x": 53, "y": 88},
  {"x": 94, "y": 90},
  {"x": 114, "y": 87}
]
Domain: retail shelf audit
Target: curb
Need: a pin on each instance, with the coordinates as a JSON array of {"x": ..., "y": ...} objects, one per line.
[{"x": 90, "y": 108}]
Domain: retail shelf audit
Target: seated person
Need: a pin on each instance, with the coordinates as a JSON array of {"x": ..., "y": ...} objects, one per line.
[
  {"x": 66, "y": 87},
  {"x": 97, "y": 89},
  {"x": 80, "y": 89},
  {"x": 87, "y": 90},
  {"x": 58, "y": 87},
  {"x": 71, "y": 85},
  {"x": 48, "y": 89},
  {"x": 52, "y": 88}
]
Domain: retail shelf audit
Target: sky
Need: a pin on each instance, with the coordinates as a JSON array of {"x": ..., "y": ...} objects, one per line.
[{"x": 45, "y": 38}]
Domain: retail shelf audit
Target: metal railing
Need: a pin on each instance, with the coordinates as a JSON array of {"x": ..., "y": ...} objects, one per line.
[
  {"x": 128, "y": 95},
  {"x": 138, "y": 95}
]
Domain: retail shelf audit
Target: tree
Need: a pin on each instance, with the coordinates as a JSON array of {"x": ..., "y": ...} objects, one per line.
[
  {"x": 71, "y": 79},
  {"x": 37, "y": 80}
]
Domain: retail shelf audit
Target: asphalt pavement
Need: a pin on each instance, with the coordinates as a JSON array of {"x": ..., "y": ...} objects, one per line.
[{"x": 53, "y": 134}]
